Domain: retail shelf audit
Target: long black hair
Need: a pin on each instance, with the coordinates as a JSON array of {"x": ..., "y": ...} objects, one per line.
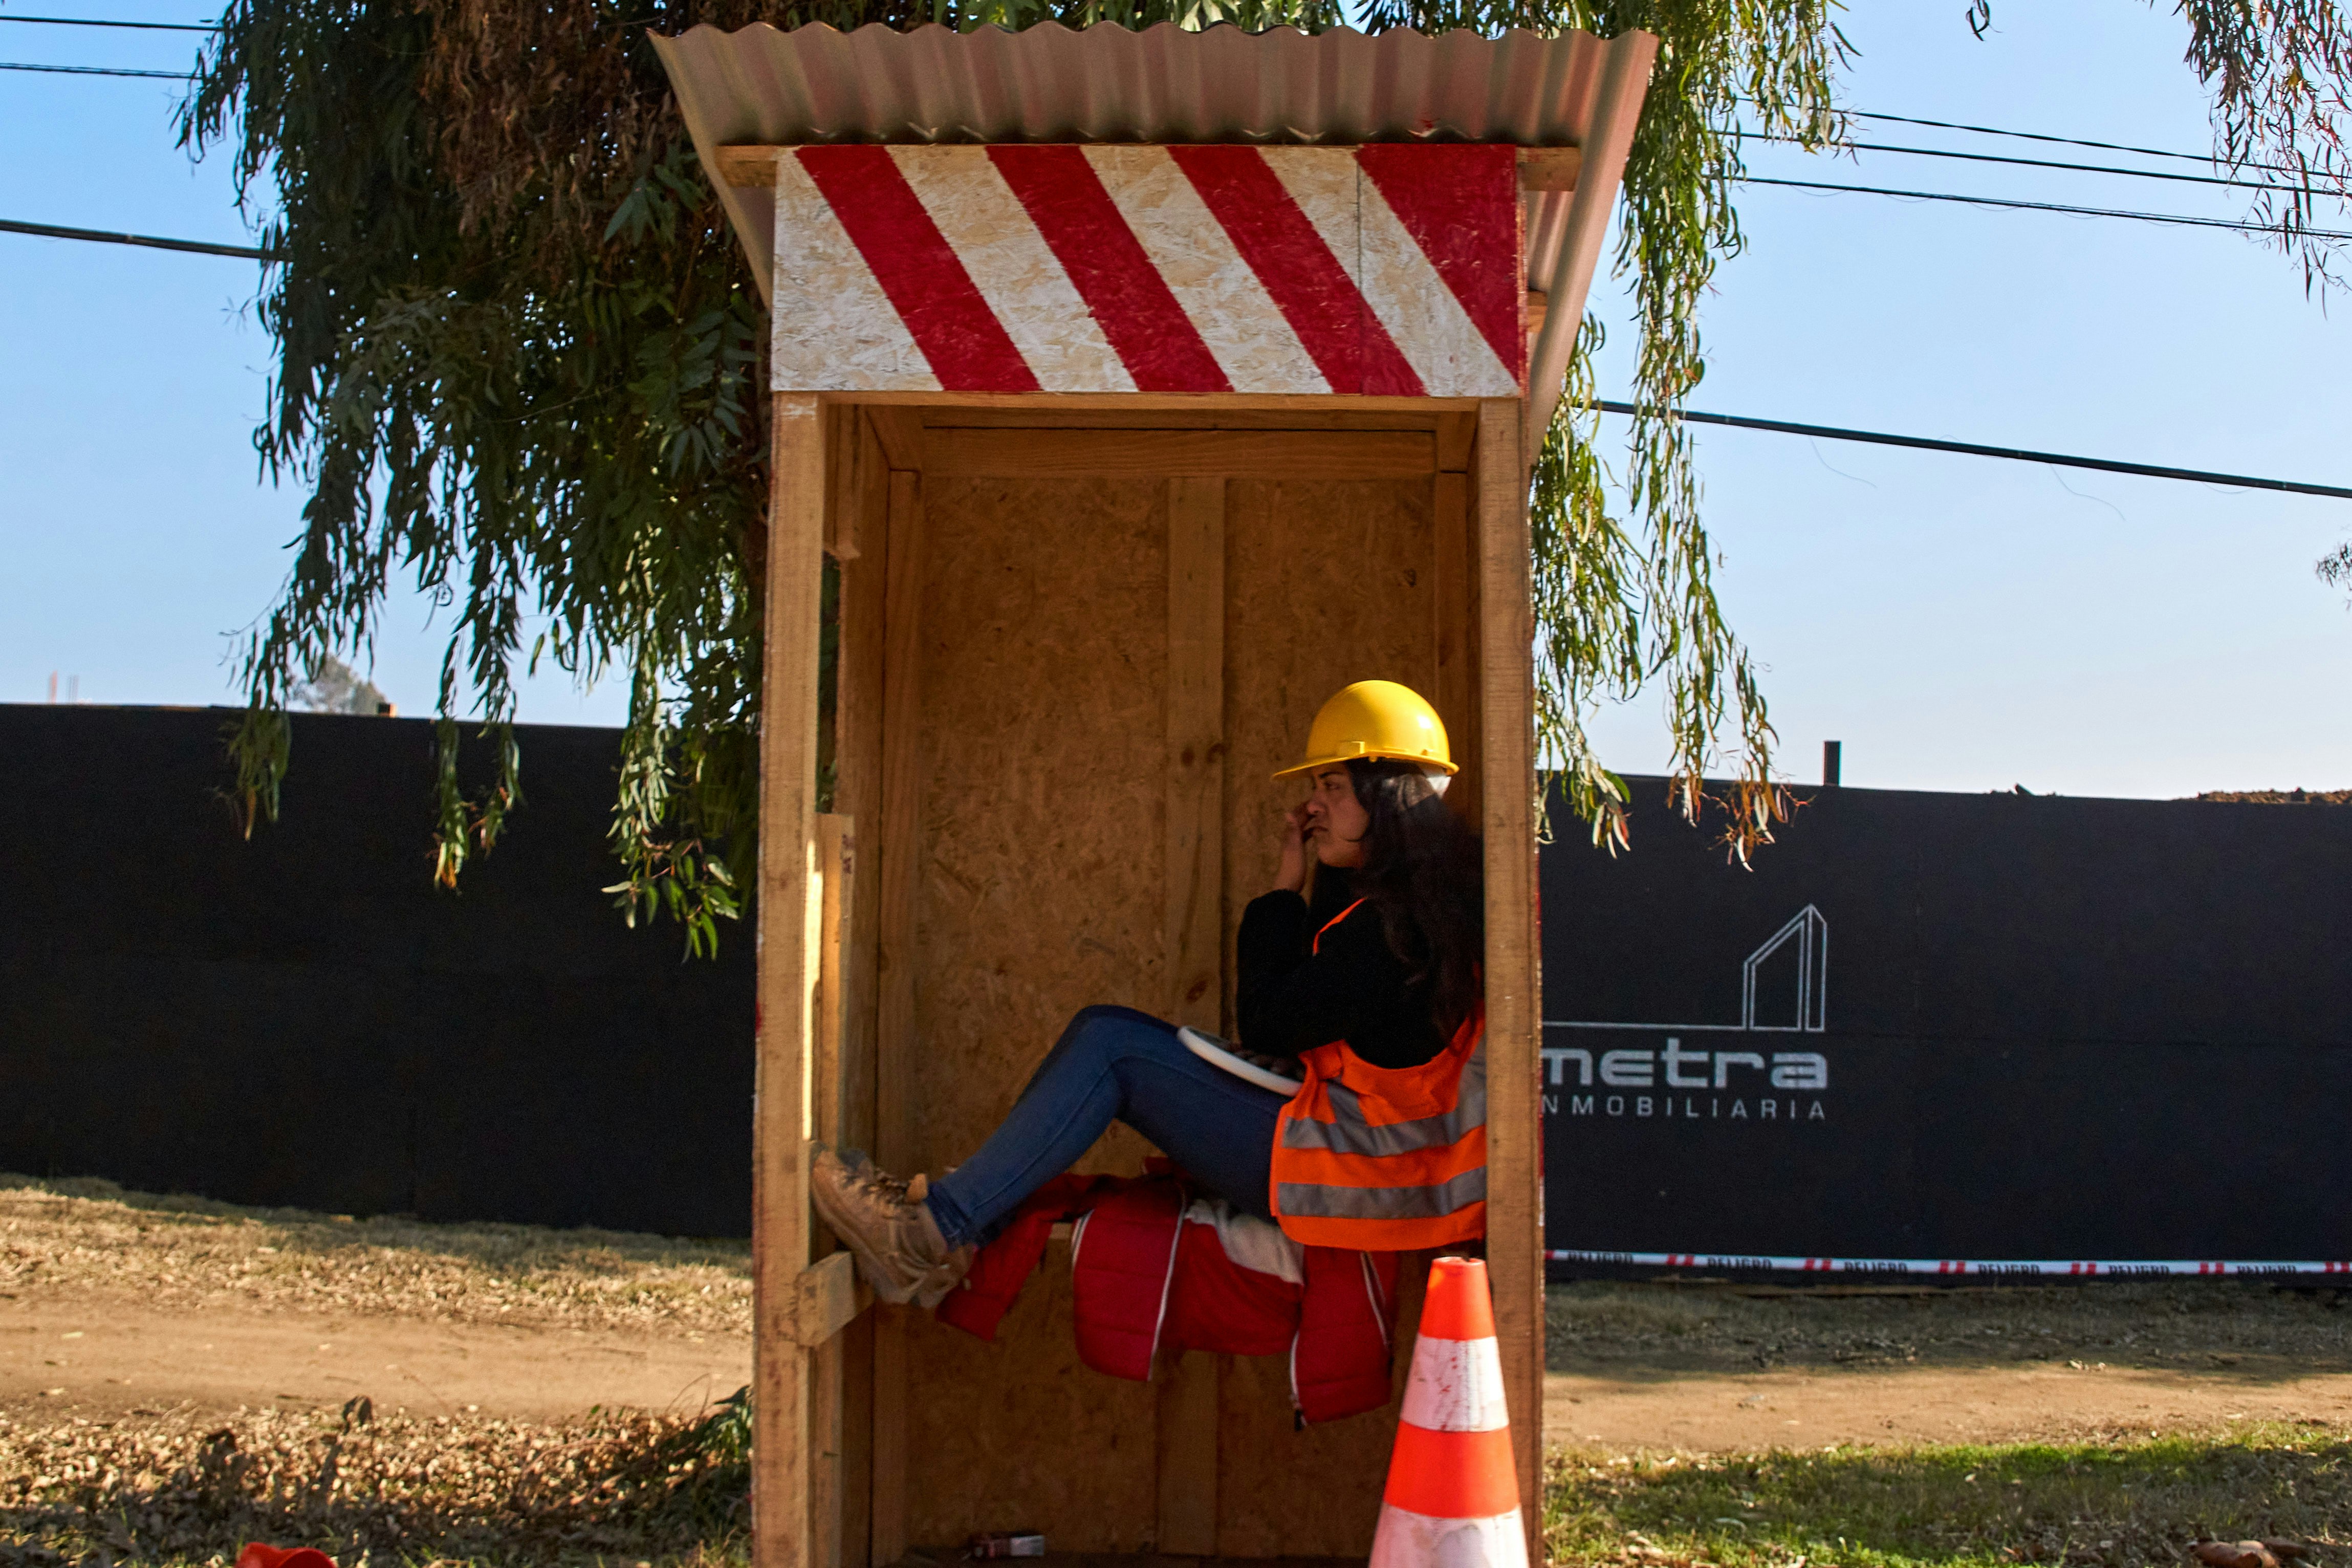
[{"x": 1425, "y": 874}]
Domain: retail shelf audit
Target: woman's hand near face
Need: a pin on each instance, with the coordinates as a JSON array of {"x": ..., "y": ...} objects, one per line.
[{"x": 1291, "y": 875}]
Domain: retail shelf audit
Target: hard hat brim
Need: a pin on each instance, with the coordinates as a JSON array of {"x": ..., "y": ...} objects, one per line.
[{"x": 1311, "y": 764}]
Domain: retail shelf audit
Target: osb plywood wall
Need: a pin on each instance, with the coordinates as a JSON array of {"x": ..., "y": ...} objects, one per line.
[
  {"x": 1043, "y": 890},
  {"x": 1326, "y": 583},
  {"x": 1045, "y": 647},
  {"x": 1020, "y": 1434}
]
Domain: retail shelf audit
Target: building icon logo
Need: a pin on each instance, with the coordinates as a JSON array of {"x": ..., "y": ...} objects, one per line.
[
  {"x": 1783, "y": 990},
  {"x": 1783, "y": 985}
]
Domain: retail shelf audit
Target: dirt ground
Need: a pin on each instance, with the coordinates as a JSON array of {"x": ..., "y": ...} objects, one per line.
[
  {"x": 1715, "y": 1369},
  {"x": 118, "y": 1304},
  {"x": 115, "y": 1303}
]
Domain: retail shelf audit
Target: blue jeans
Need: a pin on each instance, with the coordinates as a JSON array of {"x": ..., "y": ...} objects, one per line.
[{"x": 1115, "y": 1063}]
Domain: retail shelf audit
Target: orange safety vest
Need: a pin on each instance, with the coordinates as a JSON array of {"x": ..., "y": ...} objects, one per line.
[{"x": 1385, "y": 1159}]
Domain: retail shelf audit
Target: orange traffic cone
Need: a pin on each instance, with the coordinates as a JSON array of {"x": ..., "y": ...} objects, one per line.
[
  {"x": 261, "y": 1554},
  {"x": 1452, "y": 1498}
]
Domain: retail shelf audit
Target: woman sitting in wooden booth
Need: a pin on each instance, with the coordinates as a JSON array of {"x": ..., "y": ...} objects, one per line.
[{"x": 1366, "y": 1009}]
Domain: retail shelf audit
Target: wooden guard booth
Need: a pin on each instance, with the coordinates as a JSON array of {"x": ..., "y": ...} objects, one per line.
[{"x": 1145, "y": 388}]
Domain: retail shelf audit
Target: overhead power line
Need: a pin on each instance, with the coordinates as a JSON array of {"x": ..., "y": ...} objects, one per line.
[
  {"x": 91, "y": 70},
  {"x": 1970, "y": 449},
  {"x": 2039, "y": 136},
  {"x": 1783, "y": 426},
  {"x": 1996, "y": 130},
  {"x": 2178, "y": 219},
  {"x": 108, "y": 237},
  {"x": 2051, "y": 163},
  {"x": 2205, "y": 158},
  {"x": 94, "y": 22}
]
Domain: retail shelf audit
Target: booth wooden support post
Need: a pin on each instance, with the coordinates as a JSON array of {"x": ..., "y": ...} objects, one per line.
[
  {"x": 805, "y": 907},
  {"x": 1187, "y": 1408},
  {"x": 781, "y": 1485},
  {"x": 829, "y": 1291},
  {"x": 901, "y": 782},
  {"x": 1506, "y": 630}
]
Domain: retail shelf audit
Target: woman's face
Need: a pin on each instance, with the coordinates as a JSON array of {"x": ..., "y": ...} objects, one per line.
[{"x": 1334, "y": 820}]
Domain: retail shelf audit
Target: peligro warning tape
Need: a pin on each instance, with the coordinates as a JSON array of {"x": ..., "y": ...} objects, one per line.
[{"x": 2036, "y": 1268}]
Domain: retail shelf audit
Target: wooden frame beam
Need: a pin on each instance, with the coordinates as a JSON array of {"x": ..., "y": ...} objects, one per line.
[
  {"x": 1540, "y": 168},
  {"x": 831, "y": 1295},
  {"x": 894, "y": 1046},
  {"x": 857, "y": 794},
  {"x": 900, "y": 432},
  {"x": 1505, "y": 625},
  {"x": 844, "y": 428},
  {"x": 1319, "y": 404},
  {"x": 1196, "y": 752},
  {"x": 750, "y": 166},
  {"x": 789, "y": 913},
  {"x": 1220, "y": 454},
  {"x": 1029, "y": 417},
  {"x": 1457, "y": 435},
  {"x": 1194, "y": 936},
  {"x": 1454, "y": 599}
]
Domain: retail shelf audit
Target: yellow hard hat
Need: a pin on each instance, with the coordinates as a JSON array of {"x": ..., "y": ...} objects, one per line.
[{"x": 1376, "y": 718}]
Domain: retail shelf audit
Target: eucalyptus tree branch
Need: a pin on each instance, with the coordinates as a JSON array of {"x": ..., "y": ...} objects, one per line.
[{"x": 2280, "y": 78}]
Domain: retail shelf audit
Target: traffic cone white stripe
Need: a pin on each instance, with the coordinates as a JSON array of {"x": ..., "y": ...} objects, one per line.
[
  {"x": 1453, "y": 1495},
  {"x": 1456, "y": 1386},
  {"x": 1409, "y": 1540}
]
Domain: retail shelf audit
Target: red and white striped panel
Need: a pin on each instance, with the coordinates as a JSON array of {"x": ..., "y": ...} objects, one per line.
[{"x": 1378, "y": 270}]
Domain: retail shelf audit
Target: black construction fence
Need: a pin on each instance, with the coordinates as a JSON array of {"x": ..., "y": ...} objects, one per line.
[
  {"x": 306, "y": 1019},
  {"x": 1930, "y": 1030},
  {"x": 1923, "y": 1030}
]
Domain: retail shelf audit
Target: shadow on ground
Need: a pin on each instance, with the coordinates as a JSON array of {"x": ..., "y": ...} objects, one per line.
[
  {"x": 481, "y": 1242},
  {"x": 89, "y": 1237},
  {"x": 2241, "y": 1329}
]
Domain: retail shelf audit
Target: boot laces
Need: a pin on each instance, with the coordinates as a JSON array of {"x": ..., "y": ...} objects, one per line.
[{"x": 870, "y": 1181}]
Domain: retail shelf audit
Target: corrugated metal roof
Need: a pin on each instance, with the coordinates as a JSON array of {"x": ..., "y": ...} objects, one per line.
[
  {"x": 1106, "y": 83},
  {"x": 759, "y": 86}
]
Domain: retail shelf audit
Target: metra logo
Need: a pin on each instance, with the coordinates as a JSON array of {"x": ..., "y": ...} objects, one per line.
[{"x": 1784, "y": 990}]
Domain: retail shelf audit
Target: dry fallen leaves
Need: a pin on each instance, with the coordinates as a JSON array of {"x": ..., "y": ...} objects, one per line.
[
  {"x": 2247, "y": 1553},
  {"x": 89, "y": 1237},
  {"x": 402, "y": 1487}
]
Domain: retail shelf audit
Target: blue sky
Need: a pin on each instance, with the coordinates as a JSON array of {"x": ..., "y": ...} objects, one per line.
[
  {"x": 1965, "y": 624},
  {"x": 1958, "y": 623}
]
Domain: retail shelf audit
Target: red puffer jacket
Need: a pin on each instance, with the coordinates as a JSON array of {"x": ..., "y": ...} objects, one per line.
[{"x": 1153, "y": 1269}]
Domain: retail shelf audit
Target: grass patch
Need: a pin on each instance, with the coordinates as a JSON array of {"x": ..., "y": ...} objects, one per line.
[{"x": 2116, "y": 1505}]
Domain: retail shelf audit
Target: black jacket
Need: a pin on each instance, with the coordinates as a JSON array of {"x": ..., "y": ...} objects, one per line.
[{"x": 1289, "y": 1000}]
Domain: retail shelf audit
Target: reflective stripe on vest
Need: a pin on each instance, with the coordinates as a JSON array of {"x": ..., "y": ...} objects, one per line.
[
  {"x": 1352, "y": 1133},
  {"x": 1308, "y": 1201},
  {"x": 1385, "y": 1159}
]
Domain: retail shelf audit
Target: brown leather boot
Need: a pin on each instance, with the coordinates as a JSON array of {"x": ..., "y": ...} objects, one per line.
[{"x": 886, "y": 1222}]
